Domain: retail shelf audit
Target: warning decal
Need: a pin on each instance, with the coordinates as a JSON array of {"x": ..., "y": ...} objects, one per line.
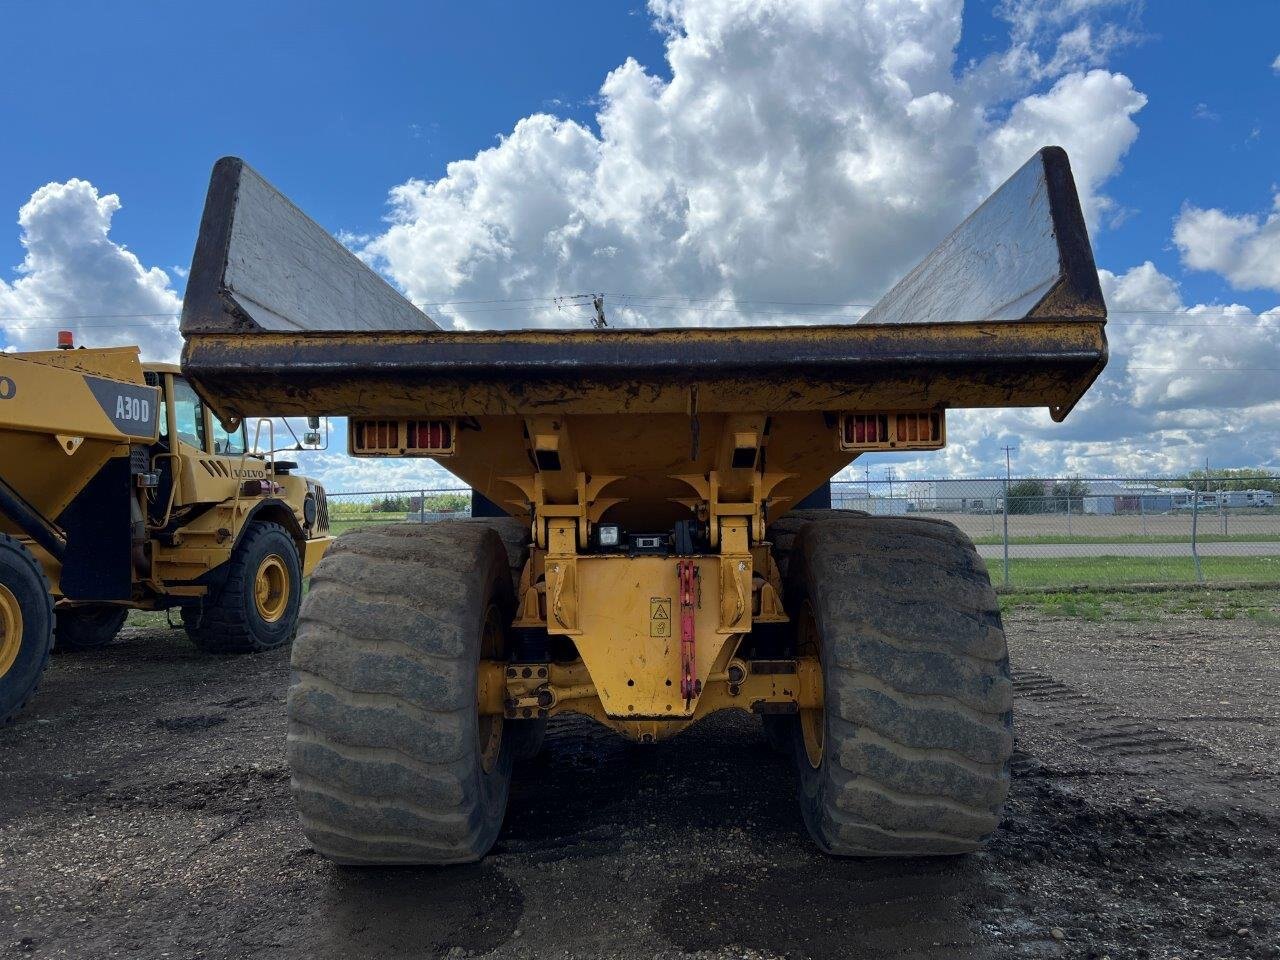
[{"x": 659, "y": 616}]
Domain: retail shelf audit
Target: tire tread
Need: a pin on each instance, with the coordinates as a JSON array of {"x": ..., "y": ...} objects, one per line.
[
  {"x": 383, "y": 691},
  {"x": 919, "y": 694}
]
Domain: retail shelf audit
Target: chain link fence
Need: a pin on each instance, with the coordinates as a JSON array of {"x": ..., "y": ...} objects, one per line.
[
  {"x": 348, "y": 511},
  {"x": 1033, "y": 533},
  {"x": 1073, "y": 531}
]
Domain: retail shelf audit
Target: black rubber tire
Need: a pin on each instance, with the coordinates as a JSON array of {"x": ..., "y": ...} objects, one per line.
[
  {"x": 21, "y": 575},
  {"x": 779, "y": 728},
  {"x": 528, "y": 735},
  {"x": 918, "y": 723},
  {"x": 230, "y": 622},
  {"x": 779, "y": 731},
  {"x": 384, "y": 736},
  {"x": 782, "y": 532},
  {"x": 87, "y": 628}
]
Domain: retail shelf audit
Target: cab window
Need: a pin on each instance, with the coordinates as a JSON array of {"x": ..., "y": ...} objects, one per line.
[
  {"x": 189, "y": 414},
  {"x": 227, "y": 444}
]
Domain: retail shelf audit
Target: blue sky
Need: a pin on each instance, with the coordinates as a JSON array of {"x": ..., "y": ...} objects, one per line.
[
  {"x": 334, "y": 101},
  {"x": 340, "y": 105}
]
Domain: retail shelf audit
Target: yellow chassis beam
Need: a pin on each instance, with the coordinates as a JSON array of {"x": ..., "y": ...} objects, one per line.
[{"x": 526, "y": 691}]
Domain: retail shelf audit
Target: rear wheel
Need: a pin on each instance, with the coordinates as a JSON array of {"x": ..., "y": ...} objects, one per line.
[
  {"x": 257, "y": 608},
  {"x": 392, "y": 760},
  {"x": 782, "y": 533},
  {"x": 26, "y": 626},
  {"x": 86, "y": 628},
  {"x": 909, "y": 755}
]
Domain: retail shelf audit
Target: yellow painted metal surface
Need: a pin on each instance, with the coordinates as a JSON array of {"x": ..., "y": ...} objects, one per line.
[
  {"x": 114, "y": 363},
  {"x": 536, "y": 690},
  {"x": 628, "y": 632},
  {"x": 10, "y": 629},
  {"x": 271, "y": 588},
  {"x": 700, "y": 437},
  {"x": 313, "y": 552},
  {"x": 56, "y": 435}
]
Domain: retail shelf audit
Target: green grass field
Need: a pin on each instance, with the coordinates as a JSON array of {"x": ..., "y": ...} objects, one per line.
[
  {"x": 1256, "y": 604},
  {"x": 1041, "y": 538},
  {"x": 353, "y": 521},
  {"x": 1111, "y": 571}
]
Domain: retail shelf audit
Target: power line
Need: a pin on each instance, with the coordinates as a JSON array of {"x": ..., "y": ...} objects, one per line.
[
  {"x": 1173, "y": 319},
  {"x": 96, "y": 316}
]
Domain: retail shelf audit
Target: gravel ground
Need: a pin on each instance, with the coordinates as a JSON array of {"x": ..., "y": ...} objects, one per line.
[{"x": 144, "y": 812}]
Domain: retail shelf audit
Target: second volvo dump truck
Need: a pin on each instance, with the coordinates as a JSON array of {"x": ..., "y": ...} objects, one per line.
[
  {"x": 652, "y": 569},
  {"x": 119, "y": 491}
]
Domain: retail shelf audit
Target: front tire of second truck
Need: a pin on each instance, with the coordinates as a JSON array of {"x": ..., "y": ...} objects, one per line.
[
  {"x": 257, "y": 607},
  {"x": 26, "y": 626},
  {"x": 910, "y": 754},
  {"x": 392, "y": 758},
  {"x": 87, "y": 628}
]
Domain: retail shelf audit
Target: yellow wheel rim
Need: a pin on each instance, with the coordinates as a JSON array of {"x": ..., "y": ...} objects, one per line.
[
  {"x": 489, "y": 725},
  {"x": 271, "y": 588},
  {"x": 812, "y": 722},
  {"x": 10, "y": 629}
]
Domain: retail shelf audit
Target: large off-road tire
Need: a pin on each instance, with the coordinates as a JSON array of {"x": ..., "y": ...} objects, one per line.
[
  {"x": 391, "y": 761},
  {"x": 87, "y": 628},
  {"x": 26, "y": 626},
  {"x": 257, "y": 607},
  {"x": 528, "y": 735},
  {"x": 782, "y": 533},
  {"x": 910, "y": 754}
]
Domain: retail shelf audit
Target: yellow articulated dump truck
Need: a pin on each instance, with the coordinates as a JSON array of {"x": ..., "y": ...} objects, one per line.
[
  {"x": 653, "y": 565},
  {"x": 119, "y": 491}
]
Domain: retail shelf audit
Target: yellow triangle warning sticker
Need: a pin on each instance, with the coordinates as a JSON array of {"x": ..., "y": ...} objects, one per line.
[{"x": 659, "y": 616}]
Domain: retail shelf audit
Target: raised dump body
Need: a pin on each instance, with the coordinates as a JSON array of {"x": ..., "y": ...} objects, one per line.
[{"x": 658, "y": 576}]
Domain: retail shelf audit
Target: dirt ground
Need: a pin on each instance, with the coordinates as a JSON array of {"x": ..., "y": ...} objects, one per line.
[{"x": 144, "y": 812}]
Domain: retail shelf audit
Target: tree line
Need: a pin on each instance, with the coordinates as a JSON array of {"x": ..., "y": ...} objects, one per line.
[
  {"x": 1061, "y": 496},
  {"x": 404, "y": 503}
]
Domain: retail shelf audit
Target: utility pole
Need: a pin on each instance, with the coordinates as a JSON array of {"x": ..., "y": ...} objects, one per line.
[
  {"x": 1008, "y": 471},
  {"x": 888, "y": 474},
  {"x": 577, "y": 300}
]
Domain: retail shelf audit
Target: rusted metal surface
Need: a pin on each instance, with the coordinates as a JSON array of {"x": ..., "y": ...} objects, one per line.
[
  {"x": 634, "y": 371},
  {"x": 1006, "y": 312}
]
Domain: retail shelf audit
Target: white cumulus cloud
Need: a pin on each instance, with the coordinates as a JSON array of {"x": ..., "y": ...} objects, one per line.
[
  {"x": 1184, "y": 383},
  {"x": 1244, "y": 248},
  {"x": 800, "y": 151},
  {"x": 793, "y": 152},
  {"x": 75, "y": 277}
]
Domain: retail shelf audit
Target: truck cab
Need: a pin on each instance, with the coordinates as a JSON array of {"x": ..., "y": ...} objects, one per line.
[
  {"x": 123, "y": 492},
  {"x": 210, "y": 483}
]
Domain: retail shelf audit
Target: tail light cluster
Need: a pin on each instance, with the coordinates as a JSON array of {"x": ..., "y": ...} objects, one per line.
[
  {"x": 926, "y": 430},
  {"x": 401, "y": 438}
]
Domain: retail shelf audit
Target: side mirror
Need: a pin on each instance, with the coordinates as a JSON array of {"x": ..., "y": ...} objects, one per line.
[{"x": 313, "y": 423}]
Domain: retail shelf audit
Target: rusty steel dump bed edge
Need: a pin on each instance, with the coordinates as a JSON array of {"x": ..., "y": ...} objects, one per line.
[
  {"x": 829, "y": 367},
  {"x": 1006, "y": 311}
]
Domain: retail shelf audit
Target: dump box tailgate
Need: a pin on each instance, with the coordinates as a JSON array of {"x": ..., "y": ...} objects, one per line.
[{"x": 1006, "y": 311}]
